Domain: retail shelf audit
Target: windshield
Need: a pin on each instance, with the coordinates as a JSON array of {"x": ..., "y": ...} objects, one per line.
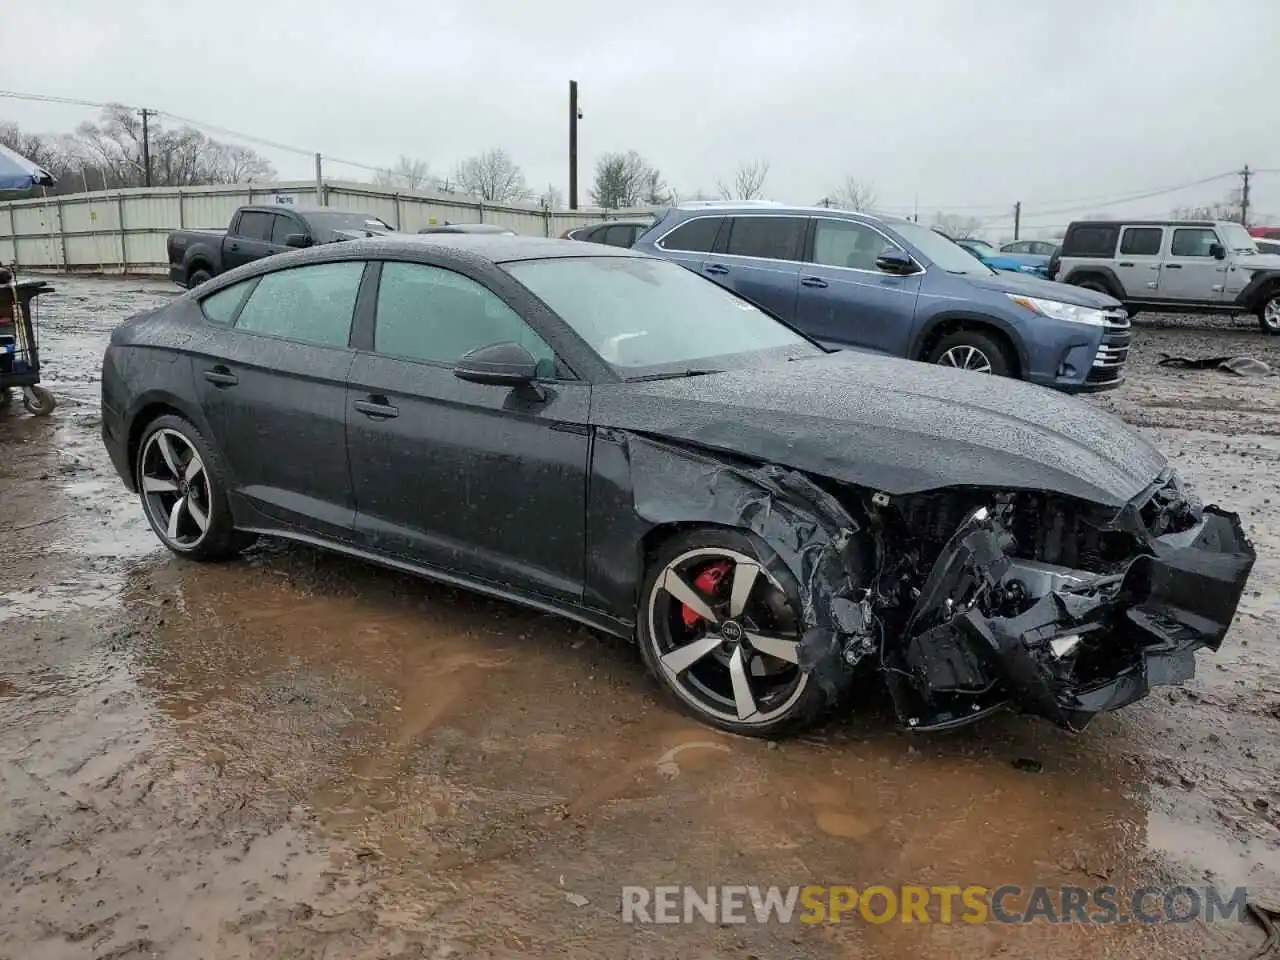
[
  {"x": 640, "y": 314},
  {"x": 1237, "y": 239},
  {"x": 338, "y": 220},
  {"x": 941, "y": 252}
]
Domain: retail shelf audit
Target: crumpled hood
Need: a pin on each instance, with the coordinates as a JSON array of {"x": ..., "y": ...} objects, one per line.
[
  {"x": 893, "y": 425},
  {"x": 1029, "y": 285}
]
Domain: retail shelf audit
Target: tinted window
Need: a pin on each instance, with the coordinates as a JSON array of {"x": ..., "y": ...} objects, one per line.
[
  {"x": 1141, "y": 241},
  {"x": 283, "y": 227},
  {"x": 1091, "y": 241},
  {"x": 222, "y": 306},
  {"x": 1192, "y": 242},
  {"x": 635, "y": 312},
  {"x": 428, "y": 313},
  {"x": 695, "y": 236},
  {"x": 843, "y": 243},
  {"x": 619, "y": 235},
  {"x": 311, "y": 304},
  {"x": 774, "y": 238},
  {"x": 254, "y": 225}
]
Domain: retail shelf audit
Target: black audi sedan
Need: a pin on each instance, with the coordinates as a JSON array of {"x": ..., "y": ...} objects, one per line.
[{"x": 603, "y": 435}]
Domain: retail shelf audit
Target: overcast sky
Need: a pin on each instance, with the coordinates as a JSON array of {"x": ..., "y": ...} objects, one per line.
[{"x": 960, "y": 106}]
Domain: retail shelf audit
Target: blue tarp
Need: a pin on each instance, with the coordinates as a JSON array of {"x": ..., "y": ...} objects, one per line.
[{"x": 19, "y": 173}]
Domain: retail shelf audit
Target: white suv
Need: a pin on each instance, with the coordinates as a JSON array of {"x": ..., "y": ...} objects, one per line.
[{"x": 1191, "y": 266}]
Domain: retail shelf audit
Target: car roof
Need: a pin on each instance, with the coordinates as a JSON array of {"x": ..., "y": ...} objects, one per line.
[
  {"x": 1144, "y": 223},
  {"x": 495, "y": 247},
  {"x": 739, "y": 207}
]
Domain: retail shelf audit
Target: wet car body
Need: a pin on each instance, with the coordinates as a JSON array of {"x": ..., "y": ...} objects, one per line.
[{"x": 981, "y": 542}]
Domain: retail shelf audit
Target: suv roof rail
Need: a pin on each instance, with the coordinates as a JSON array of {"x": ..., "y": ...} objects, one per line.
[{"x": 700, "y": 204}]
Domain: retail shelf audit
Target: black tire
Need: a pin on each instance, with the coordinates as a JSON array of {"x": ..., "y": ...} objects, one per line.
[
  {"x": 39, "y": 401},
  {"x": 197, "y": 277},
  {"x": 1097, "y": 286},
  {"x": 786, "y": 698},
  {"x": 218, "y": 540},
  {"x": 953, "y": 351},
  {"x": 1269, "y": 312}
]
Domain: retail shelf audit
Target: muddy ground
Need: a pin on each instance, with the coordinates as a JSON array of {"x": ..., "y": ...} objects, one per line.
[{"x": 298, "y": 755}]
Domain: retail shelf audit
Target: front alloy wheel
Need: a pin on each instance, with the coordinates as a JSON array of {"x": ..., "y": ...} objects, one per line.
[
  {"x": 722, "y": 634},
  {"x": 966, "y": 357},
  {"x": 1269, "y": 315}
]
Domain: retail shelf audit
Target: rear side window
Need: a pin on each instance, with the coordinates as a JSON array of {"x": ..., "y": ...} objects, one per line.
[
  {"x": 694, "y": 236},
  {"x": 1192, "y": 242},
  {"x": 254, "y": 225},
  {"x": 311, "y": 304},
  {"x": 773, "y": 238},
  {"x": 1141, "y": 241},
  {"x": 620, "y": 235},
  {"x": 1097, "y": 240},
  {"x": 221, "y": 307}
]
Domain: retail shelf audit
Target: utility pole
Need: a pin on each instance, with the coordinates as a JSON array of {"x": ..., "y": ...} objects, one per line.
[
  {"x": 1245, "y": 174},
  {"x": 574, "y": 116},
  {"x": 146, "y": 146},
  {"x": 1017, "y": 219},
  {"x": 319, "y": 183}
]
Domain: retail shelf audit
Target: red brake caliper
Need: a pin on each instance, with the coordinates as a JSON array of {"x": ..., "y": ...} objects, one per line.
[{"x": 706, "y": 582}]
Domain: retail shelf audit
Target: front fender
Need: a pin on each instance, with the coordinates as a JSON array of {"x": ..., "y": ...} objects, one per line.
[{"x": 934, "y": 321}]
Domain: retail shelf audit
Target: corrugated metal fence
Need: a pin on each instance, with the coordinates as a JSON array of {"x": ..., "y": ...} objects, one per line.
[{"x": 124, "y": 231}]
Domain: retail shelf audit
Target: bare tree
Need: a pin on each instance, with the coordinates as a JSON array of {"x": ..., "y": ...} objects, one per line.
[
  {"x": 1221, "y": 210},
  {"x": 955, "y": 225},
  {"x": 552, "y": 198},
  {"x": 627, "y": 180},
  {"x": 854, "y": 194},
  {"x": 748, "y": 182},
  {"x": 492, "y": 175},
  {"x": 409, "y": 173}
]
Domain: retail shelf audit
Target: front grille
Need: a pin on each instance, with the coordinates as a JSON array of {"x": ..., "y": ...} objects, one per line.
[{"x": 1108, "y": 363}]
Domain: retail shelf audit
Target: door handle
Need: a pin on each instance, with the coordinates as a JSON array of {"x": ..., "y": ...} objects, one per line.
[
  {"x": 235, "y": 246},
  {"x": 1155, "y": 266},
  {"x": 377, "y": 408},
  {"x": 1173, "y": 266},
  {"x": 1124, "y": 263},
  {"x": 717, "y": 268},
  {"x": 812, "y": 282},
  {"x": 221, "y": 376}
]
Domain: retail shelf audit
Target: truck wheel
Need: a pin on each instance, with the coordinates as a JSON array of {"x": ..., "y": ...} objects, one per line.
[
  {"x": 1269, "y": 313},
  {"x": 972, "y": 350},
  {"x": 1097, "y": 286},
  {"x": 197, "y": 277}
]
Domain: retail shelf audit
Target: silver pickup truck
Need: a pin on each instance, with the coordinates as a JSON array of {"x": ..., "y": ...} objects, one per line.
[{"x": 1190, "y": 266}]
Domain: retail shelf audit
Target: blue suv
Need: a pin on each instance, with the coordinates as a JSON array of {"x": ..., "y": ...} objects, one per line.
[{"x": 881, "y": 284}]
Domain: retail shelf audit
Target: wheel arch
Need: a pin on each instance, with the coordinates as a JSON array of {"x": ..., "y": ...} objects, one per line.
[
  {"x": 1105, "y": 275},
  {"x": 151, "y": 407},
  {"x": 951, "y": 321}
]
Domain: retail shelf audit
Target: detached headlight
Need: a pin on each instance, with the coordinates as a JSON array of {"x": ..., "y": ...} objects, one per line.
[{"x": 1055, "y": 310}]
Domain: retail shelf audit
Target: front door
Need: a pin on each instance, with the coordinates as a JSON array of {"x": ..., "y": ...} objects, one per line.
[
  {"x": 273, "y": 389},
  {"x": 249, "y": 240},
  {"x": 846, "y": 300},
  {"x": 489, "y": 481},
  {"x": 1190, "y": 271}
]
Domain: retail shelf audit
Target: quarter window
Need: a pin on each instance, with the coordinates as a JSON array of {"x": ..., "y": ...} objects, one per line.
[
  {"x": 1192, "y": 242},
  {"x": 310, "y": 304},
  {"x": 1141, "y": 241},
  {"x": 432, "y": 314},
  {"x": 220, "y": 307},
  {"x": 693, "y": 236},
  {"x": 843, "y": 243},
  {"x": 771, "y": 238}
]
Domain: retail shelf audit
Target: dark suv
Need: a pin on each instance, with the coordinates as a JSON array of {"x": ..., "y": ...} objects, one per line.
[{"x": 851, "y": 280}]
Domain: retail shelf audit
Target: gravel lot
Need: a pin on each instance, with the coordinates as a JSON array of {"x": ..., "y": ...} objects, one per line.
[{"x": 298, "y": 755}]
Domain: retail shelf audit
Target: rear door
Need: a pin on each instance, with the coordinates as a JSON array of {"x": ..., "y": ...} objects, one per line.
[
  {"x": 1190, "y": 270},
  {"x": 273, "y": 389},
  {"x": 845, "y": 299},
  {"x": 487, "y": 481},
  {"x": 249, "y": 240},
  {"x": 758, "y": 258},
  {"x": 1140, "y": 259}
]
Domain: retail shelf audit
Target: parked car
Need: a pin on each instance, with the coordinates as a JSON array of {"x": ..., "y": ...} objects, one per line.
[
  {"x": 1265, "y": 233},
  {"x": 612, "y": 233},
  {"x": 1013, "y": 262},
  {"x": 489, "y": 228},
  {"x": 604, "y": 435},
  {"x": 1189, "y": 266},
  {"x": 885, "y": 285},
  {"x": 1037, "y": 248},
  {"x": 255, "y": 232},
  {"x": 1267, "y": 246}
]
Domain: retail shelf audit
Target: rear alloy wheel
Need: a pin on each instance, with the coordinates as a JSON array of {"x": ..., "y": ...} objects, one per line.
[
  {"x": 1269, "y": 314},
  {"x": 722, "y": 634},
  {"x": 971, "y": 350},
  {"x": 181, "y": 492}
]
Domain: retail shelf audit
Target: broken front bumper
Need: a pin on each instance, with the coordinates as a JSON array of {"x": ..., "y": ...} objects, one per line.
[{"x": 979, "y": 639}]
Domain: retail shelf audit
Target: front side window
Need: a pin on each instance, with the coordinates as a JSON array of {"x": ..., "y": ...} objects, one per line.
[
  {"x": 310, "y": 304},
  {"x": 770, "y": 238},
  {"x": 1141, "y": 241},
  {"x": 1193, "y": 242},
  {"x": 844, "y": 243},
  {"x": 220, "y": 307},
  {"x": 619, "y": 235},
  {"x": 435, "y": 315},
  {"x": 254, "y": 225},
  {"x": 282, "y": 227},
  {"x": 694, "y": 236},
  {"x": 640, "y": 313}
]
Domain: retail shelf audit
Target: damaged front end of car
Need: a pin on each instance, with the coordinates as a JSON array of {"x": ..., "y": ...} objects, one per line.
[{"x": 1048, "y": 605}]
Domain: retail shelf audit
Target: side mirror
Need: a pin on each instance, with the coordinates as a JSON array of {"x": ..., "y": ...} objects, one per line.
[
  {"x": 1217, "y": 251},
  {"x": 502, "y": 364},
  {"x": 895, "y": 261},
  {"x": 297, "y": 240}
]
